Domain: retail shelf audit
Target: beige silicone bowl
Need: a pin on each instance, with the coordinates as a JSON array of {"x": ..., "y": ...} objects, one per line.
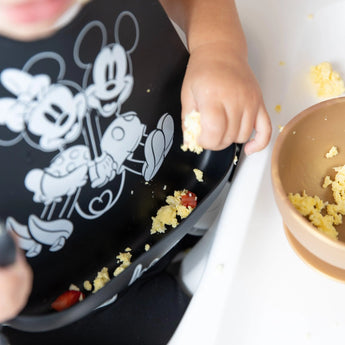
[{"x": 299, "y": 163}]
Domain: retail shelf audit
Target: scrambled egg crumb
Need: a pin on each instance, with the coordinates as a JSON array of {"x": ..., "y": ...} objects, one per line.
[
  {"x": 311, "y": 208},
  {"x": 191, "y": 133},
  {"x": 278, "y": 108},
  {"x": 327, "y": 82},
  {"x": 87, "y": 285},
  {"x": 332, "y": 152},
  {"x": 235, "y": 160},
  {"x": 101, "y": 279},
  {"x": 280, "y": 128},
  {"x": 199, "y": 175},
  {"x": 73, "y": 287},
  {"x": 326, "y": 182},
  {"x": 167, "y": 215},
  {"x": 281, "y": 63},
  {"x": 324, "y": 216},
  {"x": 124, "y": 259},
  {"x": 147, "y": 247}
]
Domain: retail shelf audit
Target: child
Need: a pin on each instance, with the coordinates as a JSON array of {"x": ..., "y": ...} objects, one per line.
[{"x": 218, "y": 83}]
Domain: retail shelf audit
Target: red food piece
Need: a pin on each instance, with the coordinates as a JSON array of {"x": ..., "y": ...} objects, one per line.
[
  {"x": 189, "y": 199},
  {"x": 66, "y": 300}
]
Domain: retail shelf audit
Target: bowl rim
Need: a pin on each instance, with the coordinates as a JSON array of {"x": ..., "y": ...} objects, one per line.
[{"x": 277, "y": 184}]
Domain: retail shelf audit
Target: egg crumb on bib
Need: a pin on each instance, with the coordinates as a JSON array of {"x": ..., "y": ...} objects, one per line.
[
  {"x": 101, "y": 279},
  {"x": 199, "y": 175},
  {"x": 167, "y": 214},
  {"x": 124, "y": 259}
]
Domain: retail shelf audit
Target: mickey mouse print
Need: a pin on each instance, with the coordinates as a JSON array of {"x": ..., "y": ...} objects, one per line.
[{"x": 72, "y": 112}]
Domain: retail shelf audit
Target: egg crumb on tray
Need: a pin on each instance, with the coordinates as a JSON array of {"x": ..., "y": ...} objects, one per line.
[
  {"x": 326, "y": 81},
  {"x": 278, "y": 108},
  {"x": 191, "y": 133},
  {"x": 323, "y": 215},
  {"x": 180, "y": 204}
]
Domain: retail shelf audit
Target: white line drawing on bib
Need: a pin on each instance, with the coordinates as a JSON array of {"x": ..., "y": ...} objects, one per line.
[{"x": 61, "y": 116}]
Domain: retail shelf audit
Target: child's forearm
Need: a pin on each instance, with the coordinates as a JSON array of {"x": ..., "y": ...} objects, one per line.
[
  {"x": 208, "y": 22},
  {"x": 219, "y": 83}
]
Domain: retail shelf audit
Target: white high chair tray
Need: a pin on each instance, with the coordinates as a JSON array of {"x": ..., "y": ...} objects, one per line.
[{"x": 255, "y": 289}]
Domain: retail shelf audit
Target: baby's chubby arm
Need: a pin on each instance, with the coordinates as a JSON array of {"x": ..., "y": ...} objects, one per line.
[
  {"x": 219, "y": 82},
  {"x": 15, "y": 287}
]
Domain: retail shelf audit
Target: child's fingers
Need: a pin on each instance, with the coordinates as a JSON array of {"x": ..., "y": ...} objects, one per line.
[
  {"x": 213, "y": 117},
  {"x": 214, "y": 124},
  {"x": 15, "y": 287},
  {"x": 247, "y": 125},
  {"x": 263, "y": 131}
]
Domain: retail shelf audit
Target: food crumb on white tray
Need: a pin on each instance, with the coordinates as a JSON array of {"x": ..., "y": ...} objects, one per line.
[
  {"x": 327, "y": 82},
  {"x": 278, "y": 108}
]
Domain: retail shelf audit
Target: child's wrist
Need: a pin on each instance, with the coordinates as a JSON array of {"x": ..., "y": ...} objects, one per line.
[{"x": 218, "y": 48}]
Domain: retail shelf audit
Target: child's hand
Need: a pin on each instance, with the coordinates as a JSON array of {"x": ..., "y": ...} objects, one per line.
[
  {"x": 221, "y": 86},
  {"x": 15, "y": 287}
]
